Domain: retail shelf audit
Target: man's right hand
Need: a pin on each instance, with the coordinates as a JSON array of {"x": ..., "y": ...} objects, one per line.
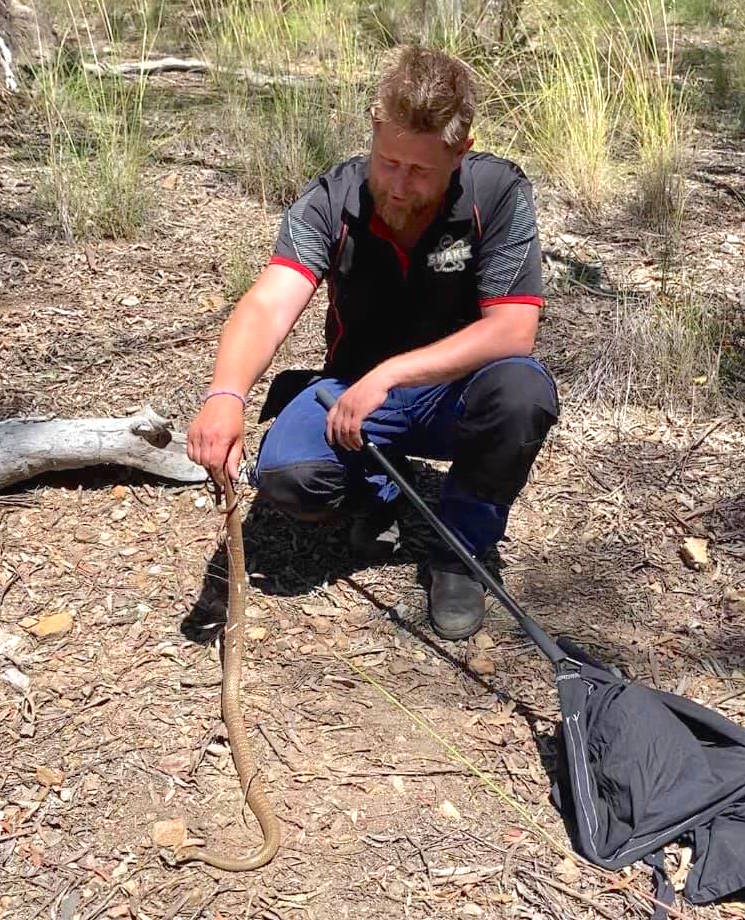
[{"x": 216, "y": 435}]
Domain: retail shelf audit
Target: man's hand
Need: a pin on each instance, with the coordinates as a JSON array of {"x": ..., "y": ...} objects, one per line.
[
  {"x": 344, "y": 420},
  {"x": 216, "y": 435}
]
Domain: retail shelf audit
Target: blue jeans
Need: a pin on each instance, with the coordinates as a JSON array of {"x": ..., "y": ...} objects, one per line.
[{"x": 491, "y": 424}]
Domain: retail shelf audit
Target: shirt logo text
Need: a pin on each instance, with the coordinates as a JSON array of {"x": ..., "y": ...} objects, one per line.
[{"x": 450, "y": 255}]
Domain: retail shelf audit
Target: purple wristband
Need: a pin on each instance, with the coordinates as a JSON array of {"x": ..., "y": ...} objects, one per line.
[{"x": 224, "y": 393}]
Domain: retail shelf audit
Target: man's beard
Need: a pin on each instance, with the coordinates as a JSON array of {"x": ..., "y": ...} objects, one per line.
[{"x": 398, "y": 217}]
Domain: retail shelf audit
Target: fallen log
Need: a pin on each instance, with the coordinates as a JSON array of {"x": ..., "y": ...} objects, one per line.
[
  {"x": 145, "y": 441},
  {"x": 191, "y": 65}
]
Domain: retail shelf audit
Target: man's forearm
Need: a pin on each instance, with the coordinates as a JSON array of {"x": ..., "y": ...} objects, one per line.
[
  {"x": 485, "y": 340},
  {"x": 247, "y": 346}
]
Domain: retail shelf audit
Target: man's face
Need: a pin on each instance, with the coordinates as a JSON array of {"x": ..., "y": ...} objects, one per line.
[{"x": 409, "y": 173}]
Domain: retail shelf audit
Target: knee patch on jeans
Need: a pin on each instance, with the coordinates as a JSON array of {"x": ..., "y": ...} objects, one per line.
[
  {"x": 508, "y": 411},
  {"x": 310, "y": 491},
  {"x": 514, "y": 392}
]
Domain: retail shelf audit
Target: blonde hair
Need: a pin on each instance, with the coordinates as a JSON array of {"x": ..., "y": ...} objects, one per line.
[{"x": 426, "y": 91}]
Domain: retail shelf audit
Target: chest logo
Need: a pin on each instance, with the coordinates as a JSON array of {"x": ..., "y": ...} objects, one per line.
[{"x": 450, "y": 255}]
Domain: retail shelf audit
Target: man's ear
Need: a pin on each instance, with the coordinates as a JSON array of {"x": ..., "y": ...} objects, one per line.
[{"x": 461, "y": 150}]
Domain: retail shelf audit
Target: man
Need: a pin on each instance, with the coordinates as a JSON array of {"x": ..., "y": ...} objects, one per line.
[{"x": 432, "y": 260}]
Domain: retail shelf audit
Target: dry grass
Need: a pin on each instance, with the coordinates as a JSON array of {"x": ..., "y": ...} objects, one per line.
[
  {"x": 662, "y": 351},
  {"x": 97, "y": 144}
]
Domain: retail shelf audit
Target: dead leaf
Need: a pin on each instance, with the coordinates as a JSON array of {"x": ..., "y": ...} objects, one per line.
[
  {"x": 49, "y": 777},
  {"x": 471, "y": 909},
  {"x": 568, "y": 871},
  {"x": 734, "y": 602},
  {"x": 177, "y": 762},
  {"x": 56, "y": 624},
  {"x": 678, "y": 878},
  {"x": 482, "y": 640},
  {"x": 130, "y": 301},
  {"x": 168, "y": 833},
  {"x": 694, "y": 553},
  {"x": 320, "y": 610},
  {"x": 481, "y": 664},
  {"x": 399, "y": 664},
  {"x": 449, "y": 811},
  {"x": 170, "y": 182},
  {"x": 119, "y": 492}
]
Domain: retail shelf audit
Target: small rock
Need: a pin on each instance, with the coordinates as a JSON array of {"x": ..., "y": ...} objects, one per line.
[
  {"x": 397, "y": 783},
  {"x": 47, "y": 776},
  {"x": 449, "y": 811},
  {"x": 118, "y": 514},
  {"x": 471, "y": 909},
  {"x": 28, "y": 622},
  {"x": 577, "y": 568},
  {"x": 56, "y": 624},
  {"x": 694, "y": 553},
  {"x": 214, "y": 747},
  {"x": 65, "y": 794},
  {"x": 256, "y": 633},
  {"x": 17, "y": 679},
  {"x": 200, "y": 501},
  {"x": 482, "y": 664},
  {"x": 119, "y": 492},
  {"x": 120, "y": 910},
  {"x": 130, "y": 301},
  {"x": 168, "y": 833},
  {"x": 9, "y": 642}
]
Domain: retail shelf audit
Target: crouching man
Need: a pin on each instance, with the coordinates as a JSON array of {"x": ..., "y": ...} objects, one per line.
[{"x": 432, "y": 260}]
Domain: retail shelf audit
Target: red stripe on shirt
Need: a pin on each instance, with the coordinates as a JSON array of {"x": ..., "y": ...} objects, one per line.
[
  {"x": 512, "y": 298},
  {"x": 332, "y": 294},
  {"x": 298, "y": 266},
  {"x": 380, "y": 228}
]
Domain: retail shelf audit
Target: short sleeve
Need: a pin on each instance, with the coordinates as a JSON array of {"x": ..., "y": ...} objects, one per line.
[
  {"x": 508, "y": 267},
  {"x": 305, "y": 236}
]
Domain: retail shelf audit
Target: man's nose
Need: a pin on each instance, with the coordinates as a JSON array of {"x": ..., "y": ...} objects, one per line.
[{"x": 400, "y": 182}]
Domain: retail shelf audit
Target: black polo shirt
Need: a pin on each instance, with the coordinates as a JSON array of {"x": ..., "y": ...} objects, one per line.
[{"x": 481, "y": 250}]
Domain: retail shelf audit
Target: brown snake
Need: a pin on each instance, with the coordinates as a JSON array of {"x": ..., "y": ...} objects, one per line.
[{"x": 231, "y": 707}]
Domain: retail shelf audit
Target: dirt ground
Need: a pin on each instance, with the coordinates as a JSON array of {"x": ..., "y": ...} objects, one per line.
[{"x": 393, "y": 760}]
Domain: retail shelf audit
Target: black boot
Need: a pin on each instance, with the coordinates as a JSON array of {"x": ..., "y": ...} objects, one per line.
[
  {"x": 374, "y": 535},
  {"x": 456, "y": 600}
]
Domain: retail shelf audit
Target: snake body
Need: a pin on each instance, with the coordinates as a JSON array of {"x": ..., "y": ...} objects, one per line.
[{"x": 253, "y": 793}]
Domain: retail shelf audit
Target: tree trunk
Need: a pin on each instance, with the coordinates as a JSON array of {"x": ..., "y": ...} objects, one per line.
[
  {"x": 25, "y": 39},
  {"x": 29, "y": 447}
]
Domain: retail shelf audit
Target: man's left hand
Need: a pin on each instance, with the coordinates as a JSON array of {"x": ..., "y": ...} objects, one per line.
[{"x": 344, "y": 420}]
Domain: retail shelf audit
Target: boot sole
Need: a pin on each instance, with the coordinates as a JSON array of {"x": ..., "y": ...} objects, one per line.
[{"x": 455, "y": 634}]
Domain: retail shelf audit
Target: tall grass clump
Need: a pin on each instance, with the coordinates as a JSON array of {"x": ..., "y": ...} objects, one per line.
[
  {"x": 663, "y": 351},
  {"x": 704, "y": 12},
  {"x": 97, "y": 145},
  {"x": 595, "y": 91},
  {"x": 562, "y": 107},
  {"x": 268, "y": 36},
  {"x": 311, "y": 113},
  {"x": 656, "y": 110}
]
